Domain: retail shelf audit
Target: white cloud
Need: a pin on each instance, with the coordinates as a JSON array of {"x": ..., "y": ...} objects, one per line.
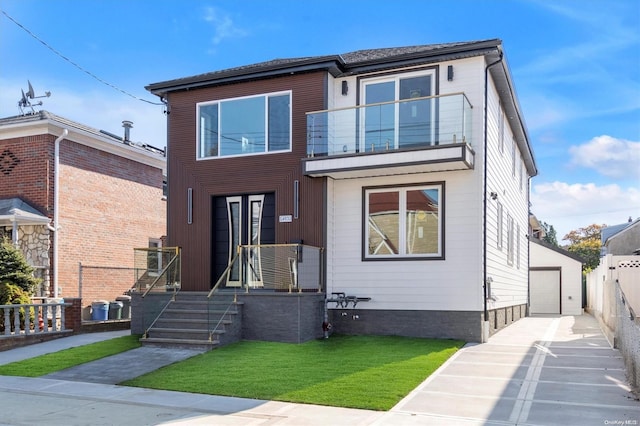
[
  {"x": 572, "y": 206},
  {"x": 611, "y": 157},
  {"x": 223, "y": 25}
]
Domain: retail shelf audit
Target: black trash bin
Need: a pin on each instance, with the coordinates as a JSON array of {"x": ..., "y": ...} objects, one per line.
[
  {"x": 126, "y": 305},
  {"x": 115, "y": 310}
]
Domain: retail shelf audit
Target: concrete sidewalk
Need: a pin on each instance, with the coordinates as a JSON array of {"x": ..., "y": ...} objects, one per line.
[
  {"x": 57, "y": 345},
  {"x": 539, "y": 371}
]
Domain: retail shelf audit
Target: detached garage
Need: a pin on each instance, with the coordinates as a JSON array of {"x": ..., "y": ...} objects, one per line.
[{"x": 555, "y": 280}]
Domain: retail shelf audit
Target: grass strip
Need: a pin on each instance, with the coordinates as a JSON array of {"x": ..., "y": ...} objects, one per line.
[
  {"x": 56, "y": 361},
  {"x": 368, "y": 372}
]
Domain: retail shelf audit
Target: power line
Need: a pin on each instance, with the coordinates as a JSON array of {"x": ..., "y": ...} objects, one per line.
[
  {"x": 75, "y": 64},
  {"x": 594, "y": 213}
]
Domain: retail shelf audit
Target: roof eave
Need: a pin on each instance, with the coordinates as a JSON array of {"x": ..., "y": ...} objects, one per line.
[
  {"x": 557, "y": 249},
  {"x": 54, "y": 126},
  {"x": 334, "y": 64},
  {"x": 23, "y": 220},
  {"x": 437, "y": 55},
  {"x": 331, "y": 64},
  {"x": 506, "y": 90}
]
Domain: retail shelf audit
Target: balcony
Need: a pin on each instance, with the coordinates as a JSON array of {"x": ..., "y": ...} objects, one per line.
[{"x": 420, "y": 135}]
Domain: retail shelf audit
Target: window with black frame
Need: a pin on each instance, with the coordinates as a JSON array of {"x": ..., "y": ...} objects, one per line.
[{"x": 404, "y": 222}]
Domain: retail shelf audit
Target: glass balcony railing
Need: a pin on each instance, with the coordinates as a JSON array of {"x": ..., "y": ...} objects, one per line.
[{"x": 410, "y": 123}]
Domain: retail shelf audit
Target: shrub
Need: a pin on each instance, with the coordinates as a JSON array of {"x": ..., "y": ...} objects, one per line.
[
  {"x": 11, "y": 294},
  {"x": 14, "y": 268}
]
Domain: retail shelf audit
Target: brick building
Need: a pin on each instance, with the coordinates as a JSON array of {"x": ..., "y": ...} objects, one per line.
[{"x": 71, "y": 195}]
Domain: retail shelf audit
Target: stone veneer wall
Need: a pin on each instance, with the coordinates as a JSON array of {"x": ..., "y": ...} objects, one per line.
[
  {"x": 504, "y": 317},
  {"x": 462, "y": 325},
  {"x": 34, "y": 242}
]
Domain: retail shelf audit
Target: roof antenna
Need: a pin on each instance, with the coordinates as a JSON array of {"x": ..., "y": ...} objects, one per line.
[{"x": 25, "y": 101}]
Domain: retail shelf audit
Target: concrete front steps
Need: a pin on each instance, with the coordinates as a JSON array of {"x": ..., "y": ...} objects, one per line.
[{"x": 186, "y": 322}]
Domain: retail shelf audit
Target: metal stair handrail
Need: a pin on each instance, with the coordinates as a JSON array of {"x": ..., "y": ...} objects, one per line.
[
  {"x": 173, "y": 298},
  {"x": 226, "y": 271},
  {"x": 164, "y": 270},
  {"x": 212, "y": 291}
]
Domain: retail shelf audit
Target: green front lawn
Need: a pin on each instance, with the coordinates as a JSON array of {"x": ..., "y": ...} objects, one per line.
[
  {"x": 56, "y": 361},
  {"x": 368, "y": 372}
]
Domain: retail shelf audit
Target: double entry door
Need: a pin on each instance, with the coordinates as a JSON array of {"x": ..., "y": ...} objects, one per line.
[{"x": 242, "y": 220}]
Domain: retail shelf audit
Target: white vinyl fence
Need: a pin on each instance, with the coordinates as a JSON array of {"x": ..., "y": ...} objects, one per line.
[{"x": 613, "y": 297}]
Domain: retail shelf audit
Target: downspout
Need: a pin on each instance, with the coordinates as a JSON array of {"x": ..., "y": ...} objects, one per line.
[
  {"x": 484, "y": 195},
  {"x": 529, "y": 245},
  {"x": 56, "y": 200}
]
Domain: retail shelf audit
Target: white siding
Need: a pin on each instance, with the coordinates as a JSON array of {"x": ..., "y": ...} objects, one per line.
[
  {"x": 571, "y": 276},
  {"x": 509, "y": 280},
  {"x": 340, "y": 100},
  {"x": 450, "y": 284},
  {"x": 342, "y": 136},
  {"x": 455, "y": 283}
]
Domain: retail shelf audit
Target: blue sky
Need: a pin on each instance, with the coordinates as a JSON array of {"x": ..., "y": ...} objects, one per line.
[{"x": 575, "y": 64}]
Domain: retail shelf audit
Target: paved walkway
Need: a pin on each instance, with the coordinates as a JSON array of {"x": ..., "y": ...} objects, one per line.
[{"x": 539, "y": 371}]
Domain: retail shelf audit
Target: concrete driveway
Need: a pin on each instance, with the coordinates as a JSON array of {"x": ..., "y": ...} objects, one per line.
[{"x": 540, "y": 371}]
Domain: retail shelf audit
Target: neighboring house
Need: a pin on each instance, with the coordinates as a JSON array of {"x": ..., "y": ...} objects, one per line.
[
  {"x": 409, "y": 166},
  {"x": 623, "y": 239},
  {"x": 536, "y": 230},
  {"x": 70, "y": 193},
  {"x": 555, "y": 280}
]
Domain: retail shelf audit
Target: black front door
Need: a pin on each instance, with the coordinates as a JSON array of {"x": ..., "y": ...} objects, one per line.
[{"x": 241, "y": 220}]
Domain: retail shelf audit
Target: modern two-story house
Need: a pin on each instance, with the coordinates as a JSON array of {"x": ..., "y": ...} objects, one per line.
[{"x": 400, "y": 176}]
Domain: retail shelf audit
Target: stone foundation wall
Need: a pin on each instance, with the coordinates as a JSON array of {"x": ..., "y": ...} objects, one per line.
[
  {"x": 503, "y": 317},
  {"x": 461, "y": 325},
  {"x": 282, "y": 317}
]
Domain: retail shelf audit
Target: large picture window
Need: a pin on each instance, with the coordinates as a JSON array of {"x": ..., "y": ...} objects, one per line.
[
  {"x": 244, "y": 126},
  {"x": 405, "y": 222}
]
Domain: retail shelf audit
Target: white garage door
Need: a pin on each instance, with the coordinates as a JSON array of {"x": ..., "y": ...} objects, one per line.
[{"x": 545, "y": 292}]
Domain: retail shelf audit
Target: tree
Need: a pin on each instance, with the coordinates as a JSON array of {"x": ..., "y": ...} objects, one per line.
[
  {"x": 586, "y": 243},
  {"x": 550, "y": 234},
  {"x": 591, "y": 232},
  {"x": 14, "y": 268}
]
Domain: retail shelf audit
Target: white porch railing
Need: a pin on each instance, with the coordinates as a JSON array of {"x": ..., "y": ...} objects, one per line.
[{"x": 33, "y": 318}]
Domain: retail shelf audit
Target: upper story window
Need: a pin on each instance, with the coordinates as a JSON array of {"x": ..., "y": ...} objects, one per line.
[
  {"x": 501, "y": 126},
  {"x": 244, "y": 126},
  {"x": 520, "y": 166},
  {"x": 513, "y": 157},
  {"x": 404, "y": 222},
  {"x": 387, "y": 124},
  {"x": 165, "y": 191}
]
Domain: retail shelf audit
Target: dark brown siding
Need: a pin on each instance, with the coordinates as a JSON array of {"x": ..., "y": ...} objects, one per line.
[{"x": 241, "y": 175}]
